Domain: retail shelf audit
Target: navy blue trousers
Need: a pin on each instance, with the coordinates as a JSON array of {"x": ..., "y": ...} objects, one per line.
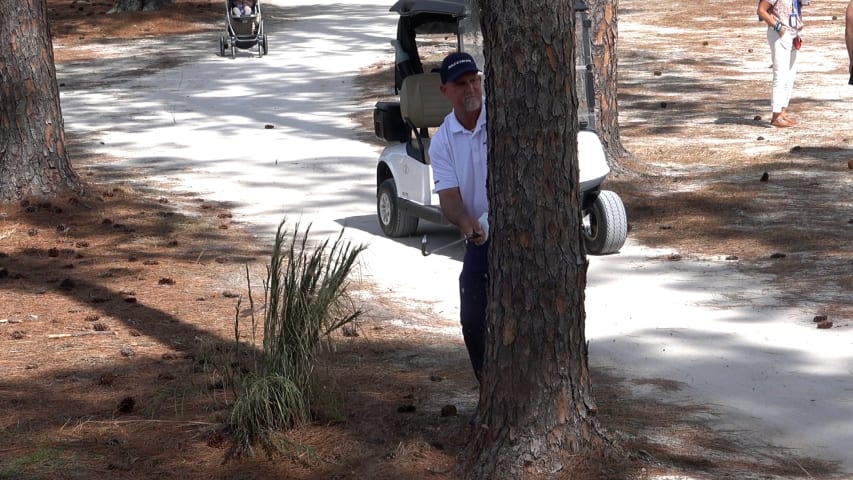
[{"x": 473, "y": 294}]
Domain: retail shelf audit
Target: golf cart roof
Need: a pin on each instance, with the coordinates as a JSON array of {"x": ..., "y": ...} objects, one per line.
[{"x": 453, "y": 8}]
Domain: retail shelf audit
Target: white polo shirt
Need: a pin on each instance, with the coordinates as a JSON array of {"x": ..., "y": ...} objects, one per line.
[{"x": 459, "y": 158}]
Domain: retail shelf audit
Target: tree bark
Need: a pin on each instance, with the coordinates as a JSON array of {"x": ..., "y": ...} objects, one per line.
[
  {"x": 536, "y": 406},
  {"x": 139, "y": 5},
  {"x": 604, "y": 34},
  {"x": 33, "y": 159}
]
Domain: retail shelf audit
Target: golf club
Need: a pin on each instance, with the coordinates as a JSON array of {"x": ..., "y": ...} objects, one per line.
[{"x": 426, "y": 252}]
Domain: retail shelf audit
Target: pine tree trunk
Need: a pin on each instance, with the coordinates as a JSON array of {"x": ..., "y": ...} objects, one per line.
[
  {"x": 33, "y": 159},
  {"x": 139, "y": 5},
  {"x": 603, "y": 14},
  {"x": 536, "y": 407}
]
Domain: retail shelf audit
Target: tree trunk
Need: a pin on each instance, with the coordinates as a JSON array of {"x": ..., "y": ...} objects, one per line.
[
  {"x": 536, "y": 407},
  {"x": 33, "y": 160},
  {"x": 603, "y": 14},
  {"x": 139, "y": 5}
]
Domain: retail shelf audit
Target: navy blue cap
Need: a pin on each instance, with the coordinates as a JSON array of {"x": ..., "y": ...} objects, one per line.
[{"x": 455, "y": 65}]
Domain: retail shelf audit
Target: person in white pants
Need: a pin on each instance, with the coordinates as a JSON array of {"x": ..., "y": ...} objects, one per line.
[{"x": 784, "y": 23}]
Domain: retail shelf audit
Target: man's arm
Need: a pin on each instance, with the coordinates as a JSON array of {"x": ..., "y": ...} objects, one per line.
[{"x": 454, "y": 211}]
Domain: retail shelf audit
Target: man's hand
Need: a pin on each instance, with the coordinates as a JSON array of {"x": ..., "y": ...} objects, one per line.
[
  {"x": 484, "y": 224},
  {"x": 454, "y": 211},
  {"x": 473, "y": 231}
]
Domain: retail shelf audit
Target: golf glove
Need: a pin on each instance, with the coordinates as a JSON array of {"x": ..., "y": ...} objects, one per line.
[{"x": 484, "y": 224}]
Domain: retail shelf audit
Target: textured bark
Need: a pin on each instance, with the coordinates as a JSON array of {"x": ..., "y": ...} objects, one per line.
[
  {"x": 604, "y": 34},
  {"x": 536, "y": 406},
  {"x": 33, "y": 159},
  {"x": 139, "y": 5}
]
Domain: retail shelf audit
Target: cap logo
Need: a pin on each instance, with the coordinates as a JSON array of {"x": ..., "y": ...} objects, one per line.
[{"x": 458, "y": 62}]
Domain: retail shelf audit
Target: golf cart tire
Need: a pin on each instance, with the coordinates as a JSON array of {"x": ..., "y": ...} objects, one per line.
[
  {"x": 606, "y": 230},
  {"x": 393, "y": 222}
]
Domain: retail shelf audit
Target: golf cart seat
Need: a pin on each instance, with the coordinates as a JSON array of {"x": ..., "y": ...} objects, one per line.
[{"x": 422, "y": 106}]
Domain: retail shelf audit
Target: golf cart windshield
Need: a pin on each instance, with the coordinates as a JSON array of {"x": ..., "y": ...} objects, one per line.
[
  {"x": 421, "y": 29},
  {"x": 428, "y": 30}
]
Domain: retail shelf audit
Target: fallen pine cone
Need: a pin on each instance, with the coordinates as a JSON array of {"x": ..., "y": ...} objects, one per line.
[
  {"x": 126, "y": 405},
  {"x": 107, "y": 379}
]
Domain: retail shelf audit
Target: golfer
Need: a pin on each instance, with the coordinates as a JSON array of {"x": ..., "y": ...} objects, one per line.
[{"x": 458, "y": 156}]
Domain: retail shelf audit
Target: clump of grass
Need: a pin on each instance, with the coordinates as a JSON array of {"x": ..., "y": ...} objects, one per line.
[
  {"x": 305, "y": 299},
  {"x": 32, "y": 463}
]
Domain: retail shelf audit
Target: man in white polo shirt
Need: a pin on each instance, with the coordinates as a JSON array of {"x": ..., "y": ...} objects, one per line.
[{"x": 458, "y": 156}]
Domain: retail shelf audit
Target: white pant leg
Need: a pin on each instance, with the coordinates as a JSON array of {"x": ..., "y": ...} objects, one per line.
[
  {"x": 792, "y": 72},
  {"x": 784, "y": 68}
]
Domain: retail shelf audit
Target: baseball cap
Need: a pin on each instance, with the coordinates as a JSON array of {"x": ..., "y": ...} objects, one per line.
[{"x": 455, "y": 65}]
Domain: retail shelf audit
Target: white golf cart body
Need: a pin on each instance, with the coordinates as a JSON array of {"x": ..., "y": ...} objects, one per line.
[
  {"x": 414, "y": 180},
  {"x": 405, "y": 187}
]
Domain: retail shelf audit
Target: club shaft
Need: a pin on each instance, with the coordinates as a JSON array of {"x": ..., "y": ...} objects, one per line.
[{"x": 455, "y": 242}]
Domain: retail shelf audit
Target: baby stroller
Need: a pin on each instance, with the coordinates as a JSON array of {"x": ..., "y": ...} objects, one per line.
[{"x": 243, "y": 31}]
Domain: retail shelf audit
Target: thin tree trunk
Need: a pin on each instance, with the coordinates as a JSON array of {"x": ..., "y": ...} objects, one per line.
[
  {"x": 536, "y": 406},
  {"x": 33, "y": 159},
  {"x": 139, "y": 5},
  {"x": 604, "y": 34}
]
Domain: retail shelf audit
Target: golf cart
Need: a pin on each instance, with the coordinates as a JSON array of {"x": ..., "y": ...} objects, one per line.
[{"x": 404, "y": 176}]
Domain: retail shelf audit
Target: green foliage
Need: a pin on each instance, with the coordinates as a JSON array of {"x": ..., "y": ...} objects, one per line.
[
  {"x": 42, "y": 458},
  {"x": 268, "y": 403},
  {"x": 305, "y": 299}
]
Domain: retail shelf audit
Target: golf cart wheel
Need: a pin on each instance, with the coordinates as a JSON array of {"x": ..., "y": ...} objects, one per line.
[
  {"x": 605, "y": 225},
  {"x": 393, "y": 222},
  {"x": 222, "y": 46}
]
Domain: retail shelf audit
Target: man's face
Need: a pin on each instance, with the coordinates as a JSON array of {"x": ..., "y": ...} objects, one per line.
[{"x": 466, "y": 93}]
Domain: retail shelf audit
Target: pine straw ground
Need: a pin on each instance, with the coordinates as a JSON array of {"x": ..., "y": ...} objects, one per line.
[{"x": 118, "y": 309}]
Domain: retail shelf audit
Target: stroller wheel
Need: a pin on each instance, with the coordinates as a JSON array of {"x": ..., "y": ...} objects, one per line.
[
  {"x": 222, "y": 46},
  {"x": 264, "y": 43}
]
